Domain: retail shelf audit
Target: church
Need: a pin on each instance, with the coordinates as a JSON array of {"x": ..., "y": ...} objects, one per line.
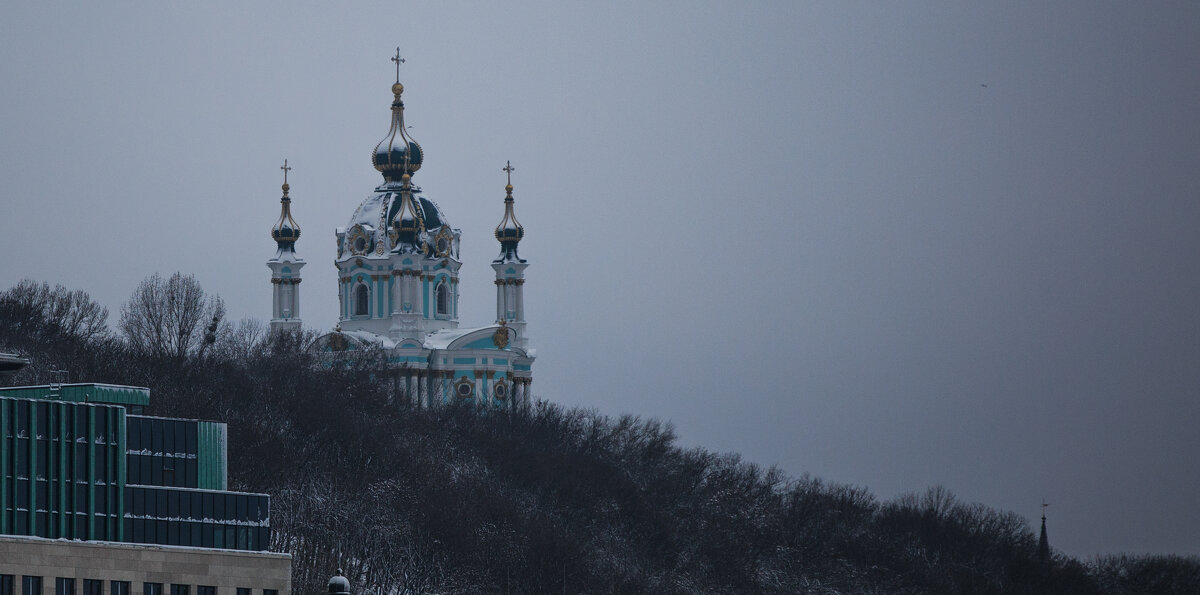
[{"x": 398, "y": 287}]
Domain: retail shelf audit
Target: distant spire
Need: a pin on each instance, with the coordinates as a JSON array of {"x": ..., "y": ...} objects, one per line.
[
  {"x": 510, "y": 231},
  {"x": 285, "y": 232},
  {"x": 1043, "y": 551}
]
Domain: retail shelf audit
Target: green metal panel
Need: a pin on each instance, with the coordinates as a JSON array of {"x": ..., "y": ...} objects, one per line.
[
  {"x": 91, "y": 474},
  {"x": 121, "y": 460},
  {"x": 210, "y": 458},
  {"x": 113, "y": 394},
  {"x": 7, "y": 446},
  {"x": 31, "y": 526}
]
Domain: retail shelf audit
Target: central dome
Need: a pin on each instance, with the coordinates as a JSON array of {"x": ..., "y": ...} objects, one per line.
[{"x": 397, "y": 154}]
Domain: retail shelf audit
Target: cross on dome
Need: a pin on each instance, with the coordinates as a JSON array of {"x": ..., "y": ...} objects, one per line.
[
  {"x": 508, "y": 169},
  {"x": 285, "y": 169},
  {"x": 398, "y": 60}
]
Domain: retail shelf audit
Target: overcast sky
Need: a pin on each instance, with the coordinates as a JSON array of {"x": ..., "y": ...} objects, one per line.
[{"x": 888, "y": 244}]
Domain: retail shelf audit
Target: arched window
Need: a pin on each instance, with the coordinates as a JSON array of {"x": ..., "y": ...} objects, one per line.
[
  {"x": 443, "y": 298},
  {"x": 362, "y": 299}
]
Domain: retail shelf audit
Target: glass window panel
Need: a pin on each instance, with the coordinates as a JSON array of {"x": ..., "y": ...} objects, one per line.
[
  {"x": 243, "y": 591},
  {"x": 22, "y": 418},
  {"x": 152, "y": 589},
  {"x": 172, "y": 532},
  {"x": 43, "y": 419},
  {"x": 93, "y": 587},
  {"x": 191, "y": 438},
  {"x": 145, "y": 464},
  {"x": 119, "y": 588},
  {"x": 206, "y": 590},
  {"x": 8, "y": 585},
  {"x": 31, "y": 585},
  {"x": 197, "y": 505},
  {"x": 80, "y": 462},
  {"x": 168, "y": 440},
  {"x": 160, "y": 506},
  {"x": 102, "y": 424},
  {"x": 64, "y": 586},
  {"x": 133, "y": 434},
  {"x": 173, "y": 503},
  {"x": 22, "y": 468},
  {"x": 179, "y": 589}
]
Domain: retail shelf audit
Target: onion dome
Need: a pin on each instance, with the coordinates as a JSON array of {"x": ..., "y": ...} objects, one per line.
[
  {"x": 338, "y": 585},
  {"x": 406, "y": 224},
  {"x": 510, "y": 231},
  {"x": 285, "y": 232},
  {"x": 397, "y": 154}
]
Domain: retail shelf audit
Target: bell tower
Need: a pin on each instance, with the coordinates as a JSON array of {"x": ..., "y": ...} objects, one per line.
[
  {"x": 285, "y": 267},
  {"x": 510, "y": 268}
]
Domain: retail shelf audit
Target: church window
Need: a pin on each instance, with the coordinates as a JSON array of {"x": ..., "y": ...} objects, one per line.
[
  {"x": 361, "y": 300},
  {"x": 443, "y": 298},
  {"x": 464, "y": 388}
]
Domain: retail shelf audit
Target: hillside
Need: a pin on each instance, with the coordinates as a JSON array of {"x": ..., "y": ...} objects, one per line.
[{"x": 558, "y": 500}]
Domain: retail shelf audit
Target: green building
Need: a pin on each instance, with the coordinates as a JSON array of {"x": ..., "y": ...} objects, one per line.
[{"x": 79, "y": 461}]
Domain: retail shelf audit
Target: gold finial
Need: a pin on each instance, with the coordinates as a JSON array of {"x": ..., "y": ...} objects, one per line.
[
  {"x": 508, "y": 169},
  {"x": 285, "y": 169}
]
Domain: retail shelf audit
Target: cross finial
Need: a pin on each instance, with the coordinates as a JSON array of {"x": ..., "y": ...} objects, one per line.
[
  {"x": 398, "y": 60},
  {"x": 1044, "y": 505},
  {"x": 508, "y": 169},
  {"x": 285, "y": 169}
]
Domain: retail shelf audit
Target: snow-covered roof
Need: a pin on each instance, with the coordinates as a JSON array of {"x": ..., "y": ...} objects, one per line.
[{"x": 443, "y": 338}]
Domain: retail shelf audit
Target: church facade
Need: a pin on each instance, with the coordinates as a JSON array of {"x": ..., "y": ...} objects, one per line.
[{"x": 398, "y": 288}]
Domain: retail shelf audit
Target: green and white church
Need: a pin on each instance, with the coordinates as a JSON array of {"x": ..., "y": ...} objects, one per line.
[{"x": 398, "y": 288}]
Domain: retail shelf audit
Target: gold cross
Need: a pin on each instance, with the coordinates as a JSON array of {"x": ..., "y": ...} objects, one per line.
[
  {"x": 509, "y": 169},
  {"x": 285, "y": 169},
  {"x": 398, "y": 60}
]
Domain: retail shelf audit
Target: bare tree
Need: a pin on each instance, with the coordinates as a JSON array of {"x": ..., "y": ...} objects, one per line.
[
  {"x": 171, "y": 317},
  {"x": 53, "y": 312}
]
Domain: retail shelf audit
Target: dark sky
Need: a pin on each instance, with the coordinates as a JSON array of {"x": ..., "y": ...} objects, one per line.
[{"x": 888, "y": 244}]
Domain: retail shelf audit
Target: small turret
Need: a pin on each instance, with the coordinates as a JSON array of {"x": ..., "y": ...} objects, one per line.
[
  {"x": 406, "y": 223},
  {"x": 510, "y": 231},
  {"x": 285, "y": 232},
  {"x": 285, "y": 267}
]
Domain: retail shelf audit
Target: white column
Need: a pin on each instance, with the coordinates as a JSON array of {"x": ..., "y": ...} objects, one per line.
[
  {"x": 520, "y": 291},
  {"x": 424, "y": 389},
  {"x": 499, "y": 300}
]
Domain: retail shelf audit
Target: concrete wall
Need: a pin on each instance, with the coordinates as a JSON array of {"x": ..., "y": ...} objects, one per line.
[{"x": 224, "y": 569}]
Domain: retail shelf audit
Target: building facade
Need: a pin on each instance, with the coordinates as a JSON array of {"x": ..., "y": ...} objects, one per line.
[
  {"x": 398, "y": 287},
  {"x": 99, "y": 499}
]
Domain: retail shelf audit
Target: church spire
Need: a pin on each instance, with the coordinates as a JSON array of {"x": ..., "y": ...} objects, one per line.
[
  {"x": 510, "y": 231},
  {"x": 397, "y": 154},
  {"x": 285, "y": 267},
  {"x": 285, "y": 232},
  {"x": 1043, "y": 551}
]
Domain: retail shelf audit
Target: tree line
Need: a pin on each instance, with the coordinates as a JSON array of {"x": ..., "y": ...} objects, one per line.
[{"x": 556, "y": 500}]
